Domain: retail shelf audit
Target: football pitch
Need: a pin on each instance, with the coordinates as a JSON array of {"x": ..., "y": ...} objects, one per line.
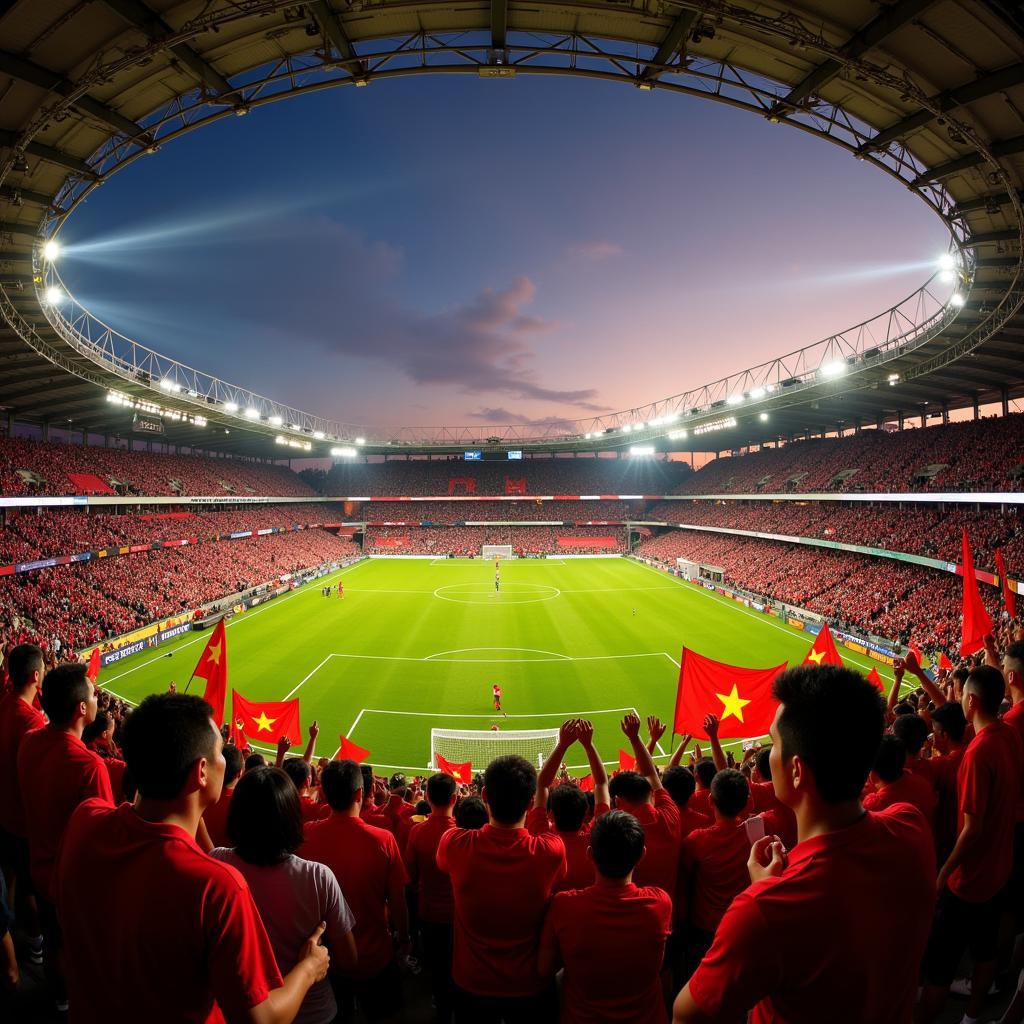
[{"x": 417, "y": 644}]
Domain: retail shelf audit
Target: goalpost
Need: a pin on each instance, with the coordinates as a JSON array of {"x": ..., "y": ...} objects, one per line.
[
  {"x": 483, "y": 746},
  {"x": 496, "y": 551}
]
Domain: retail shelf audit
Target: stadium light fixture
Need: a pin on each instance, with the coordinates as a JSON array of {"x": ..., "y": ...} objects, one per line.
[
  {"x": 736, "y": 399},
  {"x": 947, "y": 261},
  {"x": 51, "y": 250},
  {"x": 252, "y": 414},
  {"x": 763, "y": 417},
  {"x": 231, "y": 407},
  {"x": 758, "y": 393},
  {"x": 199, "y": 421},
  {"x": 170, "y": 386},
  {"x": 893, "y": 377},
  {"x": 344, "y": 453},
  {"x": 54, "y": 295},
  {"x": 833, "y": 369},
  {"x": 318, "y": 435},
  {"x": 275, "y": 421},
  {"x": 642, "y": 449},
  {"x": 947, "y": 276},
  {"x": 957, "y": 300},
  {"x": 678, "y": 434},
  {"x": 360, "y": 440},
  {"x": 627, "y": 428}
]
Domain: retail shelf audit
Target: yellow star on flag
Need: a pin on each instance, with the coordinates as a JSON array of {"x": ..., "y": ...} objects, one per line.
[
  {"x": 816, "y": 657},
  {"x": 263, "y": 723},
  {"x": 213, "y": 652},
  {"x": 732, "y": 704}
]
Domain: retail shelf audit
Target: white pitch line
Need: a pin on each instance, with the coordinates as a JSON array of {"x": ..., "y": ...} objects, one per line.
[
  {"x": 248, "y": 616},
  {"x": 468, "y": 650},
  {"x": 564, "y": 715},
  {"x": 291, "y": 693}
]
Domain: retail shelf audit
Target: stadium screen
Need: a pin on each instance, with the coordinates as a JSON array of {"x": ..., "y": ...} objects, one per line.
[
  {"x": 473, "y": 456},
  {"x": 515, "y": 455}
]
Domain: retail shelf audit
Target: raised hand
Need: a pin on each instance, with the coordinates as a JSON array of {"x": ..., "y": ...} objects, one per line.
[
  {"x": 568, "y": 733},
  {"x": 711, "y": 726},
  {"x": 283, "y": 745},
  {"x": 314, "y": 730},
  {"x": 630, "y": 726},
  {"x": 585, "y": 732},
  {"x": 655, "y": 728}
]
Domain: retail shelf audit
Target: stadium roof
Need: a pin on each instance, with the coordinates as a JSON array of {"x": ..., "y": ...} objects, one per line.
[{"x": 932, "y": 93}]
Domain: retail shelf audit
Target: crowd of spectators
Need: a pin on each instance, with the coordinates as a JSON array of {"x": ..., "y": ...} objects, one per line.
[
  {"x": 72, "y": 606},
  {"x": 977, "y": 455},
  {"x": 467, "y": 541},
  {"x": 920, "y": 529},
  {"x": 891, "y": 599},
  {"x": 840, "y": 871},
  {"x": 498, "y": 511},
  {"x": 46, "y": 466}
]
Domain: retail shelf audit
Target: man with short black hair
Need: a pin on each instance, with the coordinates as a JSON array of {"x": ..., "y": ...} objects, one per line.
[
  {"x": 368, "y": 865},
  {"x": 768, "y": 954},
  {"x": 714, "y": 861},
  {"x": 894, "y": 785},
  {"x": 704, "y": 773},
  {"x": 972, "y": 879},
  {"x": 188, "y": 944},
  {"x": 502, "y": 880},
  {"x": 18, "y": 717},
  {"x": 610, "y": 922},
  {"x": 433, "y": 889}
]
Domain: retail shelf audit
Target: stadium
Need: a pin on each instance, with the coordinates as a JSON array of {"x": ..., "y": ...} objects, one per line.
[{"x": 398, "y": 621}]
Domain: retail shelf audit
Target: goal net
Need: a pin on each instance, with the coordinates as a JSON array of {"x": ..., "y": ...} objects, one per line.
[
  {"x": 481, "y": 747},
  {"x": 496, "y": 551}
]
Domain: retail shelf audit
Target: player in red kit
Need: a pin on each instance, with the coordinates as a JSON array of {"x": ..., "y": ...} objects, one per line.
[{"x": 496, "y": 693}]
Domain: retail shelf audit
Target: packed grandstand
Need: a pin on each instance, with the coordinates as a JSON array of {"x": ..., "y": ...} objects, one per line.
[{"x": 840, "y": 846}]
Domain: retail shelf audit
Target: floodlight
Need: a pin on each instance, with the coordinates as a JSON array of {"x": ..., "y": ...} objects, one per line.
[
  {"x": 893, "y": 377},
  {"x": 231, "y": 407},
  {"x": 642, "y": 449},
  {"x": 627, "y": 428},
  {"x": 275, "y": 421},
  {"x": 833, "y": 369},
  {"x": 54, "y": 295},
  {"x": 947, "y": 276},
  {"x": 51, "y": 250},
  {"x": 957, "y": 300},
  {"x": 763, "y": 417},
  {"x": 318, "y": 435},
  {"x": 947, "y": 261},
  {"x": 199, "y": 421},
  {"x": 280, "y": 440},
  {"x": 166, "y": 384},
  {"x": 758, "y": 393},
  {"x": 360, "y": 440},
  {"x": 252, "y": 414},
  {"x": 734, "y": 399},
  {"x": 344, "y": 453}
]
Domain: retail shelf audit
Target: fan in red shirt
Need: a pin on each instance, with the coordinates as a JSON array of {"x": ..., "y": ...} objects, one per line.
[
  {"x": 768, "y": 955},
  {"x": 189, "y": 945},
  {"x": 948, "y": 732},
  {"x": 433, "y": 889},
  {"x": 641, "y": 794},
  {"x": 714, "y": 861},
  {"x": 502, "y": 881},
  {"x": 894, "y": 785},
  {"x": 615, "y": 922},
  {"x": 567, "y": 805},
  {"x": 18, "y": 716},
  {"x": 972, "y": 878},
  {"x": 764, "y": 801},
  {"x": 215, "y": 817},
  {"x": 368, "y": 865}
]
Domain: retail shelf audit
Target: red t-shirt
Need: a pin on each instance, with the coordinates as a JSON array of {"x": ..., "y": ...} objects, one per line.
[
  {"x": 433, "y": 887},
  {"x": 907, "y": 789},
  {"x": 579, "y": 869},
  {"x": 56, "y": 772},
  {"x": 715, "y": 861},
  {"x": 988, "y": 785},
  {"x": 502, "y": 881},
  {"x": 689, "y": 820},
  {"x": 186, "y": 942},
  {"x": 770, "y": 952},
  {"x": 782, "y": 819},
  {"x": 947, "y": 768},
  {"x": 368, "y": 865},
  {"x": 16, "y": 719},
  {"x": 215, "y": 817},
  {"x": 1015, "y": 716},
  {"x": 701, "y": 802},
  {"x": 660, "y": 864},
  {"x": 611, "y": 939}
]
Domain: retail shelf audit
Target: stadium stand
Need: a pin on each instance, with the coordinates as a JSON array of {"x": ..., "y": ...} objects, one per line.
[{"x": 466, "y": 541}]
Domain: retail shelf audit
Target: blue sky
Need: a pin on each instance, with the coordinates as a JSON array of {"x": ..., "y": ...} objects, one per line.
[{"x": 451, "y": 250}]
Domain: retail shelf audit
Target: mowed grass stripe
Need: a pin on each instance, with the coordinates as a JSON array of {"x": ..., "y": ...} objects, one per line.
[{"x": 607, "y": 634}]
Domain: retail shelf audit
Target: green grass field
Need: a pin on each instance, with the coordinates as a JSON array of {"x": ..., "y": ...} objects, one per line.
[{"x": 417, "y": 644}]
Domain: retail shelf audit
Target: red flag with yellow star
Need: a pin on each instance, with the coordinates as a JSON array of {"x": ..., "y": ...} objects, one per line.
[
  {"x": 740, "y": 697},
  {"x": 459, "y": 772},
  {"x": 823, "y": 651},
  {"x": 213, "y": 667},
  {"x": 267, "y": 720}
]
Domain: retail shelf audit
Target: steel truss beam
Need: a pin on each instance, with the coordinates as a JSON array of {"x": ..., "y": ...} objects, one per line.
[
  {"x": 1006, "y": 148},
  {"x": 44, "y": 152},
  {"x": 330, "y": 25},
  {"x": 674, "y": 42}
]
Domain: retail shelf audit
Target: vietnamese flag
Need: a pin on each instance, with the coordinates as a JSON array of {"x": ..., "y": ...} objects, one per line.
[
  {"x": 1009, "y": 597},
  {"x": 92, "y": 673},
  {"x": 267, "y": 719},
  {"x": 459, "y": 772},
  {"x": 627, "y": 762},
  {"x": 213, "y": 667},
  {"x": 740, "y": 697},
  {"x": 976, "y": 621},
  {"x": 916, "y": 652},
  {"x": 587, "y": 784},
  {"x": 823, "y": 651},
  {"x": 944, "y": 662},
  {"x": 349, "y": 751},
  {"x": 875, "y": 679}
]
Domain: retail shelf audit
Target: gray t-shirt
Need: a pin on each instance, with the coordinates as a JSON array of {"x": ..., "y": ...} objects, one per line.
[{"x": 293, "y": 897}]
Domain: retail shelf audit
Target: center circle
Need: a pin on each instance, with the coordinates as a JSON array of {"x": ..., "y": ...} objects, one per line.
[{"x": 484, "y": 593}]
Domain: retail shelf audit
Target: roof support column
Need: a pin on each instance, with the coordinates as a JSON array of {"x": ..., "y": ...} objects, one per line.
[{"x": 1005, "y": 397}]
